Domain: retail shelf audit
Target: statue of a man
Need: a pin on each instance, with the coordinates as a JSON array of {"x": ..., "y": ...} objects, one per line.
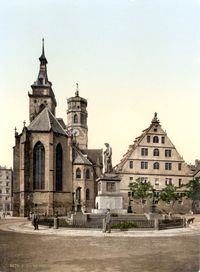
[{"x": 108, "y": 158}]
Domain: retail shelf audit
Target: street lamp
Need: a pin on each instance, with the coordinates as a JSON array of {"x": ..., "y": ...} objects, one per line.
[
  {"x": 129, "y": 210},
  {"x": 78, "y": 206},
  {"x": 153, "y": 205}
]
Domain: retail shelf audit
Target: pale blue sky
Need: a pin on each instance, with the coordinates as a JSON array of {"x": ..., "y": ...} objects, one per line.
[{"x": 130, "y": 58}]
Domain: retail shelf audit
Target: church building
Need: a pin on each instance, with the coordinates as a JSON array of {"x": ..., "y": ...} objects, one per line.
[{"x": 53, "y": 168}]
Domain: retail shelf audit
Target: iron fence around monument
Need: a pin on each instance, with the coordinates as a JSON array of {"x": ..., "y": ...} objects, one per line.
[
  {"x": 97, "y": 223},
  {"x": 171, "y": 223}
]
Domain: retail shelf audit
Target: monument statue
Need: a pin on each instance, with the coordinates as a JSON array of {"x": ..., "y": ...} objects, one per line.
[{"x": 108, "y": 159}]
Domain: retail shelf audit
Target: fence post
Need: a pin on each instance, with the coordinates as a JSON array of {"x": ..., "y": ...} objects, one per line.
[
  {"x": 156, "y": 225},
  {"x": 56, "y": 222}
]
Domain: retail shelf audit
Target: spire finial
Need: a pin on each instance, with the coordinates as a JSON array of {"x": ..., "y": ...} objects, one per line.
[
  {"x": 16, "y": 133},
  {"x": 42, "y": 58},
  {"x": 77, "y": 90},
  {"x": 155, "y": 119},
  {"x": 43, "y": 46}
]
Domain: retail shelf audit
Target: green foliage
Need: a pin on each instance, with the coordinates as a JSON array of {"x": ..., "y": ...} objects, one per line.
[
  {"x": 193, "y": 189},
  {"x": 141, "y": 190},
  {"x": 124, "y": 225},
  {"x": 169, "y": 194}
]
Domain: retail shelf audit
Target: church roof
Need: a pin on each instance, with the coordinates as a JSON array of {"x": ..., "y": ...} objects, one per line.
[
  {"x": 80, "y": 158},
  {"x": 45, "y": 121},
  {"x": 94, "y": 155}
]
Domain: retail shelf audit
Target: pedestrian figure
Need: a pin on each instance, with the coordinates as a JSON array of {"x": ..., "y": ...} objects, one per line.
[
  {"x": 107, "y": 222},
  {"x": 35, "y": 220}
]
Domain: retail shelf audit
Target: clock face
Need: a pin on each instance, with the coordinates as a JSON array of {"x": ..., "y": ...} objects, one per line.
[{"x": 75, "y": 132}]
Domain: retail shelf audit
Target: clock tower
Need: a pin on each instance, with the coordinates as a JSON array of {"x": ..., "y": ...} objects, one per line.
[{"x": 77, "y": 119}]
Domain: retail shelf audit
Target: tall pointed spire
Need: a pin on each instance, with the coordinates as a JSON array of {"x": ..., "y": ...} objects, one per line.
[
  {"x": 42, "y": 79},
  {"x": 42, "y": 58}
]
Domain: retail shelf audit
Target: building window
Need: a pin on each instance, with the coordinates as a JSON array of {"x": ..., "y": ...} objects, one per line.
[
  {"x": 7, "y": 191},
  {"x": 155, "y": 139},
  {"x": 156, "y": 181},
  {"x": 168, "y": 153},
  {"x": 131, "y": 164},
  {"x": 7, "y": 183},
  {"x": 163, "y": 140},
  {"x": 78, "y": 173},
  {"x": 87, "y": 174},
  {"x": 110, "y": 187},
  {"x": 131, "y": 179},
  {"x": 156, "y": 152},
  {"x": 38, "y": 166},
  {"x": 148, "y": 139},
  {"x": 75, "y": 119},
  {"x": 144, "y": 165},
  {"x": 179, "y": 182},
  {"x": 83, "y": 119},
  {"x": 168, "y": 166},
  {"x": 59, "y": 166},
  {"x": 168, "y": 181},
  {"x": 87, "y": 194},
  {"x": 180, "y": 166},
  {"x": 156, "y": 165},
  {"x": 144, "y": 151},
  {"x": 144, "y": 179}
]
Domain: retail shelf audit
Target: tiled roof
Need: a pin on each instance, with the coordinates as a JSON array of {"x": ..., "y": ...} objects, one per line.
[
  {"x": 80, "y": 158},
  {"x": 94, "y": 155},
  {"x": 46, "y": 121}
]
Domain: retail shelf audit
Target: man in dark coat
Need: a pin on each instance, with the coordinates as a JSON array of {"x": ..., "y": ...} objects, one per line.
[{"x": 35, "y": 220}]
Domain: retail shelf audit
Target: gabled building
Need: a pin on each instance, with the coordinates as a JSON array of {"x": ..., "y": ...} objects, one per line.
[
  {"x": 47, "y": 154},
  {"x": 152, "y": 157}
]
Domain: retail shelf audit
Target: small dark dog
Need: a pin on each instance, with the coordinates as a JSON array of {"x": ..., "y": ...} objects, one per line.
[{"x": 190, "y": 220}]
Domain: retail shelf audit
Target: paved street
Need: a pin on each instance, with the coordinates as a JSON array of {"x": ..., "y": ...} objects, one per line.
[{"x": 44, "y": 251}]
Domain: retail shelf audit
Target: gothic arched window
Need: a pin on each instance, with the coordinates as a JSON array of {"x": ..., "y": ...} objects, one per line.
[
  {"x": 38, "y": 166},
  {"x": 75, "y": 118},
  {"x": 59, "y": 166},
  {"x": 156, "y": 152},
  {"x": 87, "y": 174},
  {"x": 156, "y": 165},
  {"x": 78, "y": 173},
  {"x": 87, "y": 194},
  {"x": 155, "y": 139}
]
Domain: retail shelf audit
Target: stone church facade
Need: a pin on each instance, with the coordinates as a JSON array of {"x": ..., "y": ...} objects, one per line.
[
  {"x": 52, "y": 165},
  {"x": 153, "y": 157}
]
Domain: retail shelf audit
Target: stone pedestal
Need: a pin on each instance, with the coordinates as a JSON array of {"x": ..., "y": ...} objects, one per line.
[{"x": 109, "y": 196}]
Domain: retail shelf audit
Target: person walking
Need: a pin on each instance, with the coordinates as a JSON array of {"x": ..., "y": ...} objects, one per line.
[
  {"x": 35, "y": 220},
  {"x": 107, "y": 222}
]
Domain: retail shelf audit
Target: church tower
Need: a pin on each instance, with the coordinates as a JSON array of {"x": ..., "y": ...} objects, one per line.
[
  {"x": 77, "y": 119},
  {"x": 42, "y": 94}
]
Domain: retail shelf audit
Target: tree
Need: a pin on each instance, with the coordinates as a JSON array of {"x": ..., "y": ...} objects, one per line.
[
  {"x": 193, "y": 192},
  {"x": 170, "y": 195},
  {"x": 141, "y": 190}
]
